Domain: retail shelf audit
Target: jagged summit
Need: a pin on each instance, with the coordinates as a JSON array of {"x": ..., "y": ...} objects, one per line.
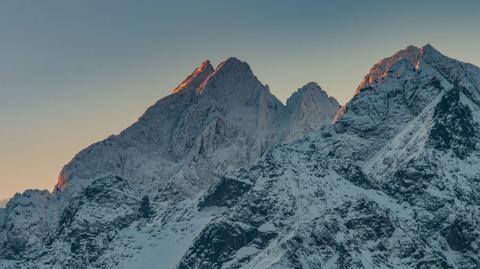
[
  {"x": 430, "y": 50},
  {"x": 210, "y": 110},
  {"x": 310, "y": 86},
  {"x": 229, "y": 76},
  {"x": 194, "y": 80},
  {"x": 306, "y": 91},
  {"x": 392, "y": 184},
  {"x": 233, "y": 64},
  {"x": 412, "y": 54},
  {"x": 234, "y": 85},
  {"x": 426, "y": 60},
  {"x": 305, "y": 105},
  {"x": 313, "y": 88}
]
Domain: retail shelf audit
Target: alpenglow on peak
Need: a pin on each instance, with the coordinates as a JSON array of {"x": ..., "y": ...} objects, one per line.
[{"x": 412, "y": 54}]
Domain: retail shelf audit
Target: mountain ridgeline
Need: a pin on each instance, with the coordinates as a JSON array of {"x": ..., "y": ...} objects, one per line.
[
  {"x": 221, "y": 174},
  {"x": 215, "y": 119}
]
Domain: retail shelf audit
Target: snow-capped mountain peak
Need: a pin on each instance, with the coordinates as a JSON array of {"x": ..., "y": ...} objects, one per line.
[
  {"x": 214, "y": 121},
  {"x": 415, "y": 55},
  {"x": 311, "y": 90},
  {"x": 233, "y": 64},
  {"x": 308, "y": 103},
  {"x": 429, "y": 51},
  {"x": 392, "y": 184},
  {"x": 225, "y": 177},
  {"x": 205, "y": 116},
  {"x": 310, "y": 87},
  {"x": 381, "y": 69},
  {"x": 232, "y": 79},
  {"x": 197, "y": 77}
]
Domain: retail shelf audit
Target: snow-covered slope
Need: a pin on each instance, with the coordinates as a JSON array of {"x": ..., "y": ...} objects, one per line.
[
  {"x": 24, "y": 223},
  {"x": 393, "y": 183},
  {"x": 215, "y": 120},
  {"x": 310, "y": 107}
]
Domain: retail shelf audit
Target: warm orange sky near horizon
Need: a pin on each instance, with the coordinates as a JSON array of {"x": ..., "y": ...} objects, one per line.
[{"x": 74, "y": 73}]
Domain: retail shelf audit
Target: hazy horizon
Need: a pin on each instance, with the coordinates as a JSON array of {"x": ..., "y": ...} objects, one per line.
[{"x": 74, "y": 73}]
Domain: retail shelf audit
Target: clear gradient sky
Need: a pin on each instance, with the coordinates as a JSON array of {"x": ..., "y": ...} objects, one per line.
[{"x": 74, "y": 72}]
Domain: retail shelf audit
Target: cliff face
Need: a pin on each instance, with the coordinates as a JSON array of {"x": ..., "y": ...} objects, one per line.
[
  {"x": 217, "y": 119},
  {"x": 393, "y": 183},
  {"x": 309, "y": 107}
]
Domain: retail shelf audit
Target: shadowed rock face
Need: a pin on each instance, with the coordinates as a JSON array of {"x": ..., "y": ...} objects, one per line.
[
  {"x": 217, "y": 242},
  {"x": 217, "y": 119},
  {"x": 454, "y": 127},
  {"x": 92, "y": 219},
  {"x": 394, "y": 183},
  {"x": 23, "y": 216},
  {"x": 225, "y": 193},
  {"x": 310, "y": 108}
]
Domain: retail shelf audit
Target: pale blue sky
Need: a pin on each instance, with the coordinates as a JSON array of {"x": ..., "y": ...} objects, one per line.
[{"x": 73, "y": 72}]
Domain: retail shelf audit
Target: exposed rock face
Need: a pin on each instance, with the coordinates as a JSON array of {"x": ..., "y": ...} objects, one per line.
[
  {"x": 393, "y": 183},
  {"x": 215, "y": 120},
  {"x": 24, "y": 223},
  {"x": 310, "y": 108}
]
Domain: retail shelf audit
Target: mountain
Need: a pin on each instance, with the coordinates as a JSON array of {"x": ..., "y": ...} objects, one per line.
[
  {"x": 393, "y": 182},
  {"x": 310, "y": 108},
  {"x": 216, "y": 120}
]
